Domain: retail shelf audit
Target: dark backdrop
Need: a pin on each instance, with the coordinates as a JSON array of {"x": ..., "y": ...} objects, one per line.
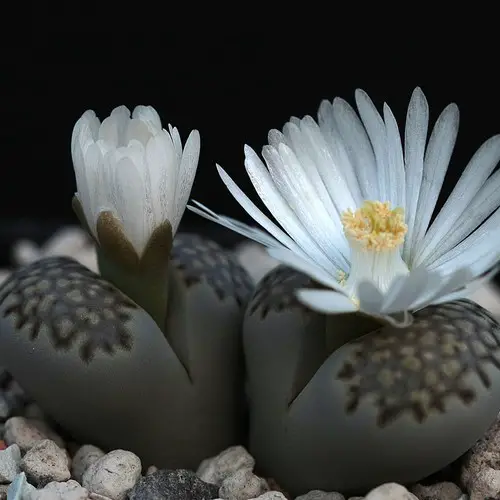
[{"x": 232, "y": 87}]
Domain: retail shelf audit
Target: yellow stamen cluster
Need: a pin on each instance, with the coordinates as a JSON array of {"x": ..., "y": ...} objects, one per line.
[{"x": 375, "y": 225}]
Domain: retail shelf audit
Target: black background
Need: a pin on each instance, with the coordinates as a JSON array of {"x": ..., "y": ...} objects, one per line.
[{"x": 232, "y": 86}]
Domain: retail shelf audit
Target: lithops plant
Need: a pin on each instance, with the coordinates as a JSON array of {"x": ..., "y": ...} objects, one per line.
[
  {"x": 366, "y": 364},
  {"x": 147, "y": 355}
]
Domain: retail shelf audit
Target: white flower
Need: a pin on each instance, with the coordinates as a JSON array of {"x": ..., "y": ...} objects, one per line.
[
  {"x": 134, "y": 168},
  {"x": 355, "y": 208}
]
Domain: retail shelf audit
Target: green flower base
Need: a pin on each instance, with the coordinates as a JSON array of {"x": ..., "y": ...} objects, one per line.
[
  {"x": 103, "y": 369},
  {"x": 342, "y": 403}
]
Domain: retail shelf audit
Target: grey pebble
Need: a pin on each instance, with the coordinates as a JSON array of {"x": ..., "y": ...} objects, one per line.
[{"x": 180, "y": 484}]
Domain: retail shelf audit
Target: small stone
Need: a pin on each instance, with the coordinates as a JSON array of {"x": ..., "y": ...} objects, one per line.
[
  {"x": 5, "y": 407},
  {"x": 68, "y": 490},
  {"x": 321, "y": 495},
  {"x": 180, "y": 484},
  {"x": 32, "y": 410},
  {"x": 485, "y": 485},
  {"x": 96, "y": 496},
  {"x": 10, "y": 459},
  {"x": 479, "y": 469},
  {"x": 85, "y": 456},
  {"x": 271, "y": 495},
  {"x": 242, "y": 485},
  {"x": 3, "y": 491},
  {"x": 390, "y": 491},
  {"x": 151, "y": 469},
  {"x": 27, "y": 432},
  {"x": 46, "y": 462},
  {"x": 215, "y": 469},
  {"x": 113, "y": 475},
  {"x": 20, "y": 489},
  {"x": 438, "y": 491}
]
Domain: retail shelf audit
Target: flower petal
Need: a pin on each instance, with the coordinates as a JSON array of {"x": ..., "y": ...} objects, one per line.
[
  {"x": 475, "y": 175},
  {"x": 375, "y": 128},
  {"x": 413, "y": 286},
  {"x": 326, "y": 301},
  {"x": 417, "y": 121},
  {"x": 257, "y": 214},
  {"x": 186, "y": 175},
  {"x": 437, "y": 158},
  {"x": 238, "y": 227},
  {"x": 338, "y": 152},
  {"x": 396, "y": 183},
  {"x": 279, "y": 208},
  {"x": 358, "y": 148},
  {"x": 305, "y": 266},
  {"x": 297, "y": 190},
  {"x": 370, "y": 298}
]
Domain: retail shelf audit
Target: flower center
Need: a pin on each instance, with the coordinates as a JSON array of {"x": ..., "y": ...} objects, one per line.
[
  {"x": 375, "y": 233},
  {"x": 375, "y": 226}
]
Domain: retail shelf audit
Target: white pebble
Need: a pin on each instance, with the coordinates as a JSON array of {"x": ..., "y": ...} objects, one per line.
[
  {"x": 271, "y": 495},
  {"x": 68, "y": 490},
  {"x": 321, "y": 495},
  {"x": 46, "y": 462},
  {"x": 113, "y": 475},
  {"x": 215, "y": 469},
  {"x": 85, "y": 456},
  {"x": 9, "y": 463},
  {"x": 26, "y": 432},
  {"x": 390, "y": 491},
  {"x": 242, "y": 485}
]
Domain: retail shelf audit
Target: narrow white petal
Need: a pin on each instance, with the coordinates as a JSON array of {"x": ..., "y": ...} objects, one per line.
[
  {"x": 113, "y": 128},
  {"x": 302, "y": 198},
  {"x": 326, "y": 301},
  {"x": 256, "y": 213},
  {"x": 307, "y": 267},
  {"x": 486, "y": 262},
  {"x": 358, "y": 148},
  {"x": 309, "y": 206},
  {"x": 417, "y": 120},
  {"x": 161, "y": 161},
  {"x": 443, "y": 287},
  {"x": 413, "y": 286},
  {"x": 176, "y": 139},
  {"x": 475, "y": 175},
  {"x": 137, "y": 130},
  {"x": 375, "y": 127},
  {"x": 481, "y": 242},
  {"x": 306, "y": 154},
  {"x": 131, "y": 198},
  {"x": 396, "y": 183},
  {"x": 437, "y": 158},
  {"x": 486, "y": 201},
  {"x": 149, "y": 116},
  {"x": 370, "y": 298},
  {"x": 279, "y": 208},
  {"x": 95, "y": 181},
  {"x": 238, "y": 227},
  {"x": 87, "y": 125},
  {"x": 338, "y": 151},
  {"x": 186, "y": 175},
  {"x": 330, "y": 171}
]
